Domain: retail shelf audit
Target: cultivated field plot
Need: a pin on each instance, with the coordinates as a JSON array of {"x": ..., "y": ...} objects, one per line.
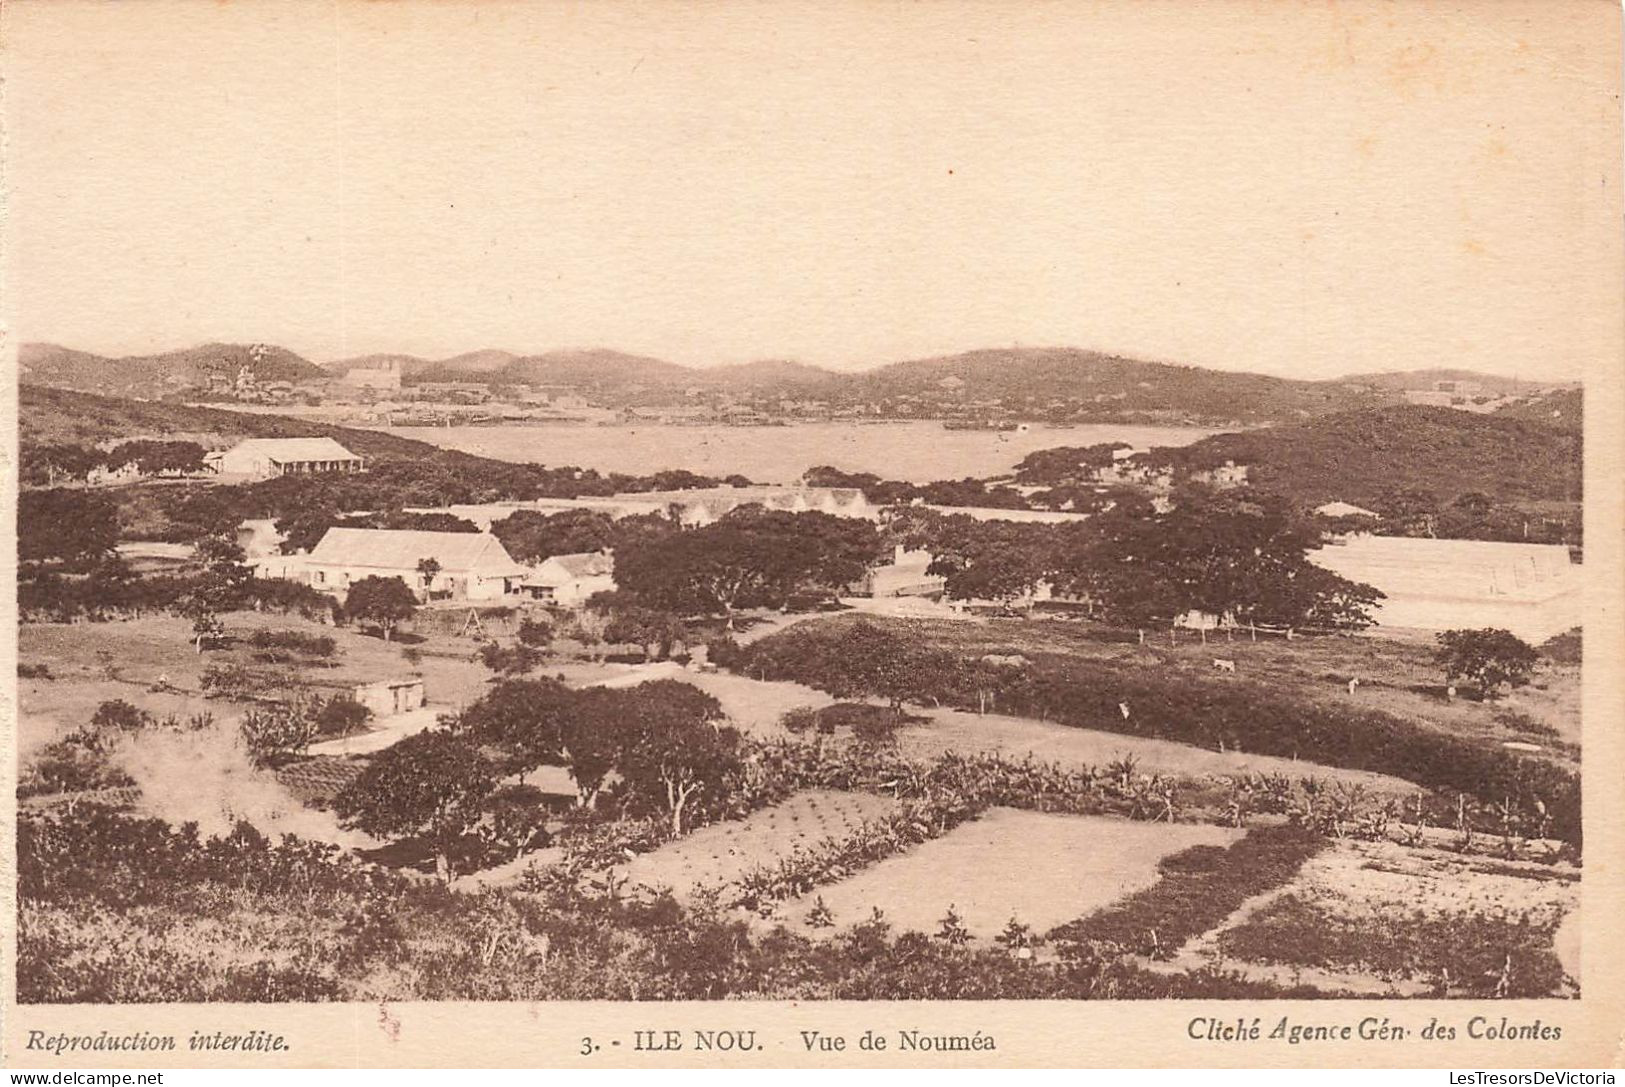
[
  {"x": 723, "y": 852},
  {"x": 1039, "y": 868},
  {"x": 1372, "y": 917}
]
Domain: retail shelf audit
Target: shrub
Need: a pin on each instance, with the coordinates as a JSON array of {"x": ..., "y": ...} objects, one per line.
[
  {"x": 514, "y": 660},
  {"x": 536, "y": 632},
  {"x": 340, "y": 716},
  {"x": 310, "y": 645},
  {"x": 1491, "y": 658},
  {"x": 798, "y": 720},
  {"x": 233, "y": 681},
  {"x": 276, "y": 734},
  {"x": 34, "y": 671},
  {"x": 120, "y": 715},
  {"x": 1565, "y": 648}
]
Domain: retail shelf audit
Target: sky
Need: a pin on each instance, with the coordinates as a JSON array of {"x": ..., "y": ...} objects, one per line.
[{"x": 1308, "y": 190}]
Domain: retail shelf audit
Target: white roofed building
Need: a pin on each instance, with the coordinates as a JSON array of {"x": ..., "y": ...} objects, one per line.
[
  {"x": 1533, "y": 590},
  {"x": 571, "y": 580},
  {"x": 265, "y": 458},
  {"x": 471, "y": 565}
]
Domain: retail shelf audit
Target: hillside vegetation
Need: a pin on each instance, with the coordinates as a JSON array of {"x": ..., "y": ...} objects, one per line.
[
  {"x": 64, "y": 417},
  {"x": 1360, "y": 456},
  {"x": 155, "y": 375}
]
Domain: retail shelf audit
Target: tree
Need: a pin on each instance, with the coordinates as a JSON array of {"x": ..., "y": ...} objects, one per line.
[
  {"x": 655, "y": 631},
  {"x": 53, "y": 464},
  {"x": 207, "y": 627},
  {"x": 1489, "y": 657},
  {"x": 433, "y": 784},
  {"x": 873, "y": 662},
  {"x": 1231, "y": 553},
  {"x": 531, "y": 536},
  {"x": 591, "y": 736},
  {"x": 277, "y": 733},
  {"x": 524, "y": 717},
  {"x": 224, "y": 560},
  {"x": 675, "y": 749},
  {"x": 68, "y": 525},
  {"x": 428, "y": 570},
  {"x": 750, "y": 558},
  {"x": 383, "y": 602}
]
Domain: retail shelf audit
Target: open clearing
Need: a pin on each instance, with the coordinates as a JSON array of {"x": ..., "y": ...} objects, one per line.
[
  {"x": 92, "y": 663},
  {"x": 723, "y": 852},
  {"x": 1039, "y": 868}
]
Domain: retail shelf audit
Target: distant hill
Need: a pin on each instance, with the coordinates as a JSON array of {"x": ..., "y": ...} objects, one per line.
[
  {"x": 1034, "y": 377},
  {"x": 1059, "y": 384},
  {"x": 155, "y": 375},
  {"x": 1401, "y": 380},
  {"x": 152, "y": 376},
  {"x": 768, "y": 374},
  {"x": 1357, "y": 456},
  {"x": 66, "y": 417}
]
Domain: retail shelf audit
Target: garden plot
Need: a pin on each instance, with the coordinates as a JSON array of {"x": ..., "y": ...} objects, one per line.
[
  {"x": 1042, "y": 869},
  {"x": 722, "y": 852},
  {"x": 1381, "y": 917}
]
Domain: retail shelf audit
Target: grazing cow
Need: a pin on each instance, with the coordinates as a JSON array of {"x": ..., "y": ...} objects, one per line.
[{"x": 1224, "y": 665}]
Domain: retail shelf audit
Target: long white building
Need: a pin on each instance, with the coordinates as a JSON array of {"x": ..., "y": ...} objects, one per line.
[{"x": 1533, "y": 590}]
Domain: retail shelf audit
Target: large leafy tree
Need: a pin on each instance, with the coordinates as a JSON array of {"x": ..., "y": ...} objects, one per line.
[
  {"x": 525, "y": 718},
  {"x": 1491, "y": 658},
  {"x": 531, "y": 536},
  {"x": 69, "y": 525},
  {"x": 383, "y": 602},
  {"x": 1232, "y": 553},
  {"x": 431, "y": 785},
  {"x": 676, "y": 750},
  {"x": 750, "y": 558}
]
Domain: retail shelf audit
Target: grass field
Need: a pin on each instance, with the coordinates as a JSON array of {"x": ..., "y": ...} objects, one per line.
[{"x": 1040, "y": 868}]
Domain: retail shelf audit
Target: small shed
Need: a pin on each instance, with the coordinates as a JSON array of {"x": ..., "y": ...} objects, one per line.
[{"x": 386, "y": 698}]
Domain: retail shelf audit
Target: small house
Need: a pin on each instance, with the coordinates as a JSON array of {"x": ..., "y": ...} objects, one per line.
[{"x": 569, "y": 581}]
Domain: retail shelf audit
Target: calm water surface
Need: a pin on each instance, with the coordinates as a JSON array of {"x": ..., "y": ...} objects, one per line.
[{"x": 919, "y": 452}]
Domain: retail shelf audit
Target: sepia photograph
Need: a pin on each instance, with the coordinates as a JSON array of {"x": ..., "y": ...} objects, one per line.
[{"x": 1101, "y": 503}]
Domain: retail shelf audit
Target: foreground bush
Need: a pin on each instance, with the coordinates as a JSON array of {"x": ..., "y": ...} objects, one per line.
[{"x": 114, "y": 909}]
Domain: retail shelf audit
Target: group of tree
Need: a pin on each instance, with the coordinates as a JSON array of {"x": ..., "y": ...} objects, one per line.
[
  {"x": 1226, "y": 553},
  {"x": 750, "y": 558},
  {"x": 665, "y": 743},
  {"x": 945, "y": 492},
  {"x": 54, "y": 464}
]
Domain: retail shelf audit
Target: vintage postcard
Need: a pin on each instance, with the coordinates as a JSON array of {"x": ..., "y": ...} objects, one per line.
[{"x": 749, "y": 534}]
